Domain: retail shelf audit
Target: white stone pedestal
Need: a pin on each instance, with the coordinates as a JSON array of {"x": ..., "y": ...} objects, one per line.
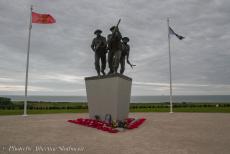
[{"x": 108, "y": 94}]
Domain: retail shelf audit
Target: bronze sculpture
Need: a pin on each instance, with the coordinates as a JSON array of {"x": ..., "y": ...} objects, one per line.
[
  {"x": 114, "y": 47},
  {"x": 125, "y": 53},
  {"x": 99, "y": 46},
  {"x": 118, "y": 48}
]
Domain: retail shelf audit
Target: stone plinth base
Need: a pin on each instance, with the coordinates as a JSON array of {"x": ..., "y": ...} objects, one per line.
[{"x": 108, "y": 94}]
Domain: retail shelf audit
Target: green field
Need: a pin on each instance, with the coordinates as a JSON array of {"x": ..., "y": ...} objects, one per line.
[
  {"x": 20, "y": 112},
  {"x": 16, "y": 108},
  {"x": 186, "y": 109}
]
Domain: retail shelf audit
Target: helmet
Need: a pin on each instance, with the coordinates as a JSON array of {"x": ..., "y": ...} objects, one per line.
[
  {"x": 98, "y": 31},
  {"x": 125, "y": 39}
]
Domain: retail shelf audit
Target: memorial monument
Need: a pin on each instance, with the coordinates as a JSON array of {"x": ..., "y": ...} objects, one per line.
[{"x": 109, "y": 95}]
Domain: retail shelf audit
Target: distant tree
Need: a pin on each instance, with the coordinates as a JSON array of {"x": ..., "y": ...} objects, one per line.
[{"x": 5, "y": 101}]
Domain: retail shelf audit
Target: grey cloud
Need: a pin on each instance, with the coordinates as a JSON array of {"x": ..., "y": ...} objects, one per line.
[{"x": 63, "y": 49}]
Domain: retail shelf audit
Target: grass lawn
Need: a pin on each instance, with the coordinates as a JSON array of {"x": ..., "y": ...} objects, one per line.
[
  {"x": 185, "y": 109},
  {"x": 176, "y": 109},
  {"x": 20, "y": 112}
]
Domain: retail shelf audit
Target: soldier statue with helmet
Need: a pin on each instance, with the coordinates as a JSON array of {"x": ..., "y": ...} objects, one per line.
[
  {"x": 99, "y": 46},
  {"x": 118, "y": 48}
]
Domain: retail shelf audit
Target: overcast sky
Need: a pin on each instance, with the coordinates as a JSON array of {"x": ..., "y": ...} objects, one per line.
[{"x": 61, "y": 56}]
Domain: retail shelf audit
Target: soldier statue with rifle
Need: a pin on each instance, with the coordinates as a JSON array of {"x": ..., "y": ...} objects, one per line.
[
  {"x": 118, "y": 49},
  {"x": 114, "y": 47},
  {"x": 99, "y": 46}
]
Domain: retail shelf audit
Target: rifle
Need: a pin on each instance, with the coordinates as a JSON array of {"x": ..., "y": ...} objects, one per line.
[
  {"x": 114, "y": 31},
  {"x": 116, "y": 27}
]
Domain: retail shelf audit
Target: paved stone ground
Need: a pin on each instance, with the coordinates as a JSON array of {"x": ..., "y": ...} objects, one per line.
[{"x": 161, "y": 133}]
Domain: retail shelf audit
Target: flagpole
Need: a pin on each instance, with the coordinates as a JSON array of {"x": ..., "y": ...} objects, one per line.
[
  {"x": 170, "y": 70},
  {"x": 27, "y": 63}
]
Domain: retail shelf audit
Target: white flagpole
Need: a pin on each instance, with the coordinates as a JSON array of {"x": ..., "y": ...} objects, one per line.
[
  {"x": 170, "y": 70},
  {"x": 27, "y": 63}
]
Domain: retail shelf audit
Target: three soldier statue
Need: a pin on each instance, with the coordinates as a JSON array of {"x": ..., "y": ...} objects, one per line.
[{"x": 117, "y": 48}]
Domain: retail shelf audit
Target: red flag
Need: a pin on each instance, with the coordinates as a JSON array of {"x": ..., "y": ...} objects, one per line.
[{"x": 42, "y": 18}]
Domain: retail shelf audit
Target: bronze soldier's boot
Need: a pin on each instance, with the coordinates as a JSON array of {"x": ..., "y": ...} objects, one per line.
[
  {"x": 110, "y": 72},
  {"x": 98, "y": 73},
  {"x": 103, "y": 72}
]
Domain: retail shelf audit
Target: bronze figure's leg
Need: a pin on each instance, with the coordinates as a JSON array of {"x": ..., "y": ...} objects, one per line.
[
  {"x": 103, "y": 63},
  {"x": 122, "y": 63},
  {"x": 110, "y": 61},
  {"x": 117, "y": 57},
  {"x": 97, "y": 65}
]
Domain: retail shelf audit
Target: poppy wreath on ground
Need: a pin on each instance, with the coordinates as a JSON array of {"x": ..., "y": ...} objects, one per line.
[
  {"x": 129, "y": 123},
  {"x": 136, "y": 123},
  {"x": 94, "y": 124}
]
